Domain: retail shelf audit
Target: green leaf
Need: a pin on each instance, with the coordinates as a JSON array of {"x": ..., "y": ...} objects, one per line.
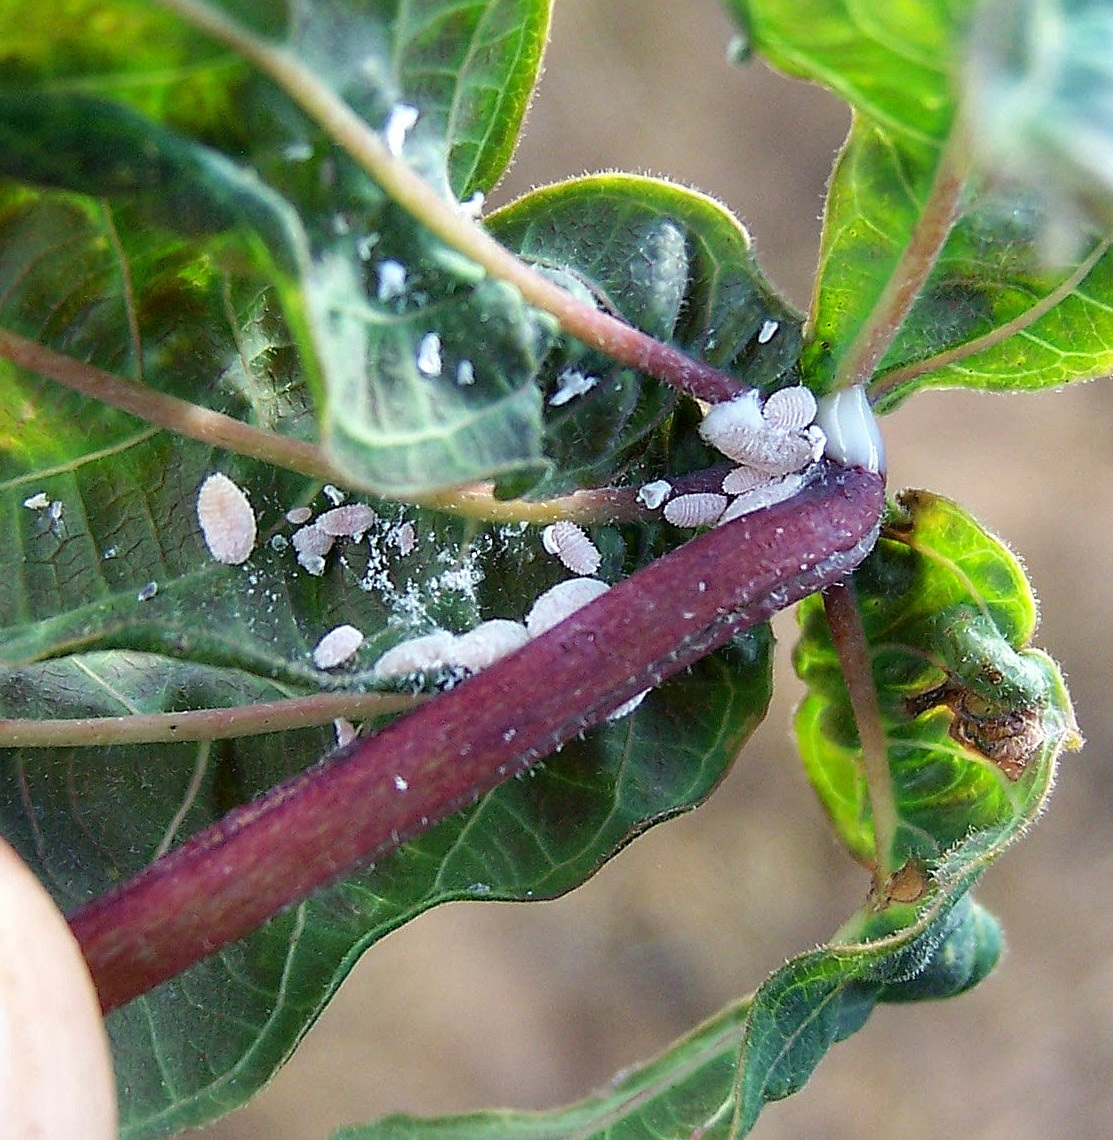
[
  {"x": 893, "y": 65},
  {"x": 714, "y": 1082},
  {"x": 666, "y": 259},
  {"x": 971, "y": 715},
  {"x": 84, "y": 634},
  {"x": 290, "y": 209}
]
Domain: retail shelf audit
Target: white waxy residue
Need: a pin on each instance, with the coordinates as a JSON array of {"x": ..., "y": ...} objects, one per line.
[
  {"x": 37, "y": 502},
  {"x": 570, "y": 384},
  {"x": 399, "y": 123},
  {"x": 351, "y": 521},
  {"x": 465, "y": 374},
  {"x": 429, "y": 355},
  {"x": 345, "y": 731},
  {"x": 337, "y": 646},
  {"x": 333, "y": 494},
  {"x": 853, "y": 436},
  {"x": 147, "y": 592},
  {"x": 561, "y": 601},
  {"x": 227, "y": 520},
  {"x": 473, "y": 207},
  {"x": 768, "y": 331},
  {"x": 700, "y": 508},
  {"x": 627, "y": 707},
  {"x": 392, "y": 280},
  {"x": 652, "y": 495},
  {"x": 572, "y": 546}
]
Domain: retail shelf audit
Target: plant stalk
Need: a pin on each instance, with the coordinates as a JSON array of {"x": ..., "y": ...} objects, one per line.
[
  {"x": 849, "y": 635},
  {"x": 377, "y": 793}
]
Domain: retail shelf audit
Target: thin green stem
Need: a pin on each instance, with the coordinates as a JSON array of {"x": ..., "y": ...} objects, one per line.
[
  {"x": 476, "y": 501},
  {"x": 910, "y": 273},
  {"x": 849, "y": 636},
  {"x": 201, "y": 724},
  {"x": 611, "y": 336},
  {"x": 891, "y": 381}
]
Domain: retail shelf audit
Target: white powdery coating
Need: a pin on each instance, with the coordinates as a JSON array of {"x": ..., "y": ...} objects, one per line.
[
  {"x": 743, "y": 479},
  {"x": 298, "y": 515},
  {"x": 489, "y": 642},
  {"x": 337, "y": 646},
  {"x": 701, "y": 508},
  {"x": 768, "y": 331},
  {"x": 227, "y": 520},
  {"x": 429, "y": 355},
  {"x": 561, "y": 601},
  {"x": 312, "y": 544},
  {"x": 571, "y": 383},
  {"x": 417, "y": 655},
  {"x": 37, "y": 502},
  {"x": 398, "y": 124},
  {"x": 392, "y": 280},
  {"x": 652, "y": 495},
  {"x": 572, "y": 546},
  {"x": 790, "y": 409},
  {"x": 351, "y": 521},
  {"x": 765, "y": 496}
]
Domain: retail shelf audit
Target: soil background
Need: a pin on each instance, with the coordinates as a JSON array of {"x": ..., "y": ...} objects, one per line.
[{"x": 474, "y": 1006}]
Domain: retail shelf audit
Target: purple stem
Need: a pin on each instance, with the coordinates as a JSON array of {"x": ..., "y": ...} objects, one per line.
[{"x": 381, "y": 791}]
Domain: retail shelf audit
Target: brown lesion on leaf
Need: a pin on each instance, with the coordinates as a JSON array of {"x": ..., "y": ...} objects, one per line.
[{"x": 1009, "y": 738}]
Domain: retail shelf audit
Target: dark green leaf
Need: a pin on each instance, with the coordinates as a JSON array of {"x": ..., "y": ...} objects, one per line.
[
  {"x": 667, "y": 260},
  {"x": 972, "y": 716}
]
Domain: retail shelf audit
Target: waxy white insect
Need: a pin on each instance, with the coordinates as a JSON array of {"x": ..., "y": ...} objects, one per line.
[
  {"x": 570, "y": 384},
  {"x": 312, "y": 545},
  {"x": 429, "y": 355},
  {"x": 37, "y": 502},
  {"x": 345, "y": 731},
  {"x": 392, "y": 280},
  {"x": 337, "y": 646},
  {"x": 627, "y": 707},
  {"x": 147, "y": 592},
  {"x": 416, "y": 655},
  {"x": 489, "y": 642},
  {"x": 298, "y": 515},
  {"x": 790, "y": 409},
  {"x": 561, "y": 601},
  {"x": 768, "y": 331},
  {"x": 351, "y": 521},
  {"x": 853, "y": 437},
  {"x": 399, "y": 122},
  {"x": 465, "y": 373},
  {"x": 572, "y": 546},
  {"x": 227, "y": 520},
  {"x": 652, "y": 495},
  {"x": 743, "y": 479},
  {"x": 700, "y": 508},
  {"x": 775, "y": 491},
  {"x": 405, "y": 538}
]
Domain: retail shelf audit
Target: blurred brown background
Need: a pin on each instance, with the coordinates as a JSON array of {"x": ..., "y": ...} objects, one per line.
[{"x": 482, "y": 1005}]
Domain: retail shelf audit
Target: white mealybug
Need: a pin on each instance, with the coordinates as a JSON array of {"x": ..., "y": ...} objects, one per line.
[
  {"x": 337, "y": 646},
  {"x": 465, "y": 373},
  {"x": 853, "y": 437},
  {"x": 701, "y": 508},
  {"x": 561, "y": 601},
  {"x": 345, "y": 731},
  {"x": 743, "y": 479},
  {"x": 37, "y": 502},
  {"x": 790, "y": 409},
  {"x": 429, "y": 355},
  {"x": 398, "y": 124},
  {"x": 652, "y": 495},
  {"x": 487, "y": 643},
  {"x": 298, "y": 515},
  {"x": 312, "y": 545},
  {"x": 351, "y": 521},
  {"x": 572, "y": 546},
  {"x": 227, "y": 520},
  {"x": 767, "y": 450},
  {"x": 570, "y": 384},
  {"x": 417, "y": 655},
  {"x": 392, "y": 280},
  {"x": 405, "y": 538},
  {"x": 627, "y": 707},
  {"x": 766, "y": 495},
  {"x": 768, "y": 331}
]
